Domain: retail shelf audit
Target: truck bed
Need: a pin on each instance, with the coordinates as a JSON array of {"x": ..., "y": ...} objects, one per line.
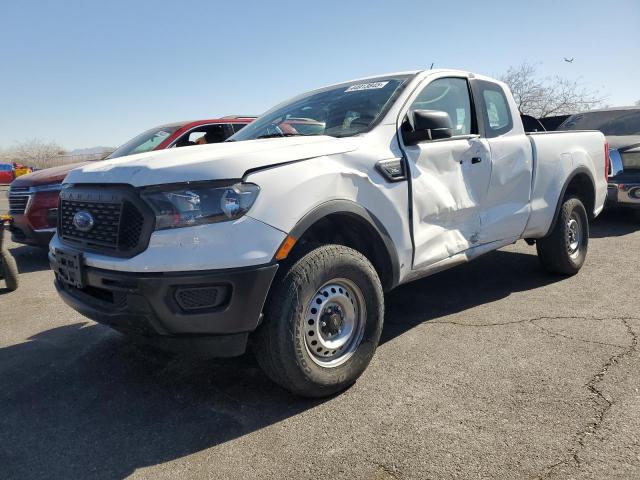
[{"x": 557, "y": 158}]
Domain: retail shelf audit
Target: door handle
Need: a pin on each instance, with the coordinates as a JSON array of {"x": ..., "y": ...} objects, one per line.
[{"x": 475, "y": 160}]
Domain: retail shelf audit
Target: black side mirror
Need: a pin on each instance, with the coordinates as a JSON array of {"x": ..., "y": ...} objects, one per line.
[{"x": 426, "y": 125}]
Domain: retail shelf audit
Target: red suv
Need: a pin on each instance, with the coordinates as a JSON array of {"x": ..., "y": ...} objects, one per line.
[
  {"x": 33, "y": 198},
  {"x": 7, "y": 173}
]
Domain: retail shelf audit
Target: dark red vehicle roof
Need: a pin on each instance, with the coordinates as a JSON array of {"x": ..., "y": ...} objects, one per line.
[
  {"x": 57, "y": 174},
  {"x": 186, "y": 126}
]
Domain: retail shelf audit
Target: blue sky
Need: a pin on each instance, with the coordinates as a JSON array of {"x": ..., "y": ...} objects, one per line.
[{"x": 87, "y": 73}]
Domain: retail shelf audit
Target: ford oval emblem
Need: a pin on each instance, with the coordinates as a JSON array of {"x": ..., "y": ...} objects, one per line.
[{"x": 83, "y": 221}]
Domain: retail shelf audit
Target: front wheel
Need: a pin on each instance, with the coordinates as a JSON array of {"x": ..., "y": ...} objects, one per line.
[
  {"x": 564, "y": 250},
  {"x": 322, "y": 322}
]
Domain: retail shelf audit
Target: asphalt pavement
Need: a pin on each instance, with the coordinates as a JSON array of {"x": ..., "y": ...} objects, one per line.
[
  {"x": 494, "y": 369},
  {"x": 4, "y": 202}
]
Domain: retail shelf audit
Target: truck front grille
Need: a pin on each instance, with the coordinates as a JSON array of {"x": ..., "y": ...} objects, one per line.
[
  {"x": 131, "y": 223},
  {"x": 119, "y": 224},
  {"x": 18, "y": 200},
  {"x": 104, "y": 232}
]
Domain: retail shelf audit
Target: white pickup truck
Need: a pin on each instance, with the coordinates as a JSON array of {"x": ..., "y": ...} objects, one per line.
[{"x": 287, "y": 235}]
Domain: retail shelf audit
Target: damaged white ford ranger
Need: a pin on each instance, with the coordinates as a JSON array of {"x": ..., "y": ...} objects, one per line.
[{"x": 286, "y": 236}]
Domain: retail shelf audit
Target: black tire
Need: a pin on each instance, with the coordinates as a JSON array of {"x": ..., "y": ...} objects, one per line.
[
  {"x": 556, "y": 251},
  {"x": 9, "y": 270},
  {"x": 282, "y": 343}
]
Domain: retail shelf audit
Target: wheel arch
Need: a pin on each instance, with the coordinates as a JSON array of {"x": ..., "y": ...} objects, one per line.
[
  {"x": 581, "y": 185},
  {"x": 349, "y": 223}
]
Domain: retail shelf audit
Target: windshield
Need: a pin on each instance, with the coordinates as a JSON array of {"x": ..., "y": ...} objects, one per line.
[
  {"x": 611, "y": 123},
  {"x": 338, "y": 111},
  {"x": 145, "y": 142}
]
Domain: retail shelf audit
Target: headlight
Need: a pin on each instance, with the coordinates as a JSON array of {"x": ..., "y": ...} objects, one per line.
[{"x": 197, "y": 205}]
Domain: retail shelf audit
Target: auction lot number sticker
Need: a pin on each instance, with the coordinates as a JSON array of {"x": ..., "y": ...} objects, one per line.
[{"x": 366, "y": 86}]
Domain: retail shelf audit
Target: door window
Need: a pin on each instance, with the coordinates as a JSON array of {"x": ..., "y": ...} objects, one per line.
[
  {"x": 495, "y": 109},
  {"x": 450, "y": 95}
]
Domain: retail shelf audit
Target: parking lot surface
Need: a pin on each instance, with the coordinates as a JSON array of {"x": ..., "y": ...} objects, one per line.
[
  {"x": 494, "y": 369},
  {"x": 4, "y": 203}
]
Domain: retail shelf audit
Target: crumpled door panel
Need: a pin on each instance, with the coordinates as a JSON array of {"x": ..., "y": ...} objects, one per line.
[{"x": 447, "y": 192}]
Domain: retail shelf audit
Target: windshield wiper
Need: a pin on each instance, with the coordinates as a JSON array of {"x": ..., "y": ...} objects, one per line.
[{"x": 278, "y": 135}]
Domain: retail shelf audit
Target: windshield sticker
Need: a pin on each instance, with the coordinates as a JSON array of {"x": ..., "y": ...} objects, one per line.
[{"x": 365, "y": 86}]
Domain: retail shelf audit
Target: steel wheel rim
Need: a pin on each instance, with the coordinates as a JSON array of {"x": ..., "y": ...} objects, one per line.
[
  {"x": 574, "y": 236},
  {"x": 334, "y": 322}
]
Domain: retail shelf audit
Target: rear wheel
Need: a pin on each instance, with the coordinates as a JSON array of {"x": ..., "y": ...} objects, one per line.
[
  {"x": 322, "y": 322},
  {"x": 565, "y": 249}
]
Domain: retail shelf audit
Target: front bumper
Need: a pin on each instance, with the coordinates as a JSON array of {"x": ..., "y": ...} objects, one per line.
[
  {"x": 21, "y": 232},
  {"x": 210, "y": 311},
  {"x": 624, "y": 194}
]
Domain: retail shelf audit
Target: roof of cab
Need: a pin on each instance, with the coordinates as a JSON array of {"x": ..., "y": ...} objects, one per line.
[
  {"x": 228, "y": 119},
  {"x": 423, "y": 72}
]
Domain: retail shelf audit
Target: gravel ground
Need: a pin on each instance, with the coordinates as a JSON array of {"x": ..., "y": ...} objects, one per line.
[{"x": 491, "y": 370}]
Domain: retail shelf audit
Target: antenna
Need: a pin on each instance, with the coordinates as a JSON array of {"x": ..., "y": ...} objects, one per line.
[{"x": 432, "y": 64}]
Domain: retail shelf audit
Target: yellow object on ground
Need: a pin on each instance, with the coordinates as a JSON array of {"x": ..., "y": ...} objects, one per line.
[{"x": 22, "y": 171}]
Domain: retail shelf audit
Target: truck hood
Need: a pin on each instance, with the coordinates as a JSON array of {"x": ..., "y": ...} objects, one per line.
[
  {"x": 46, "y": 176},
  {"x": 228, "y": 160}
]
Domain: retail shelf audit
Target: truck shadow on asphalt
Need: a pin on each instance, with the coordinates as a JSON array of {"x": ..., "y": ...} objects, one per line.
[
  {"x": 82, "y": 401},
  {"x": 486, "y": 279},
  {"x": 615, "y": 223},
  {"x": 30, "y": 259},
  {"x": 489, "y": 278}
]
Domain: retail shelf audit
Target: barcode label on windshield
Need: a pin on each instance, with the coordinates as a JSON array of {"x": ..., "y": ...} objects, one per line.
[{"x": 366, "y": 86}]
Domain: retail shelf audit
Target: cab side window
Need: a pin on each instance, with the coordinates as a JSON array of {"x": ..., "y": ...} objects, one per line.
[
  {"x": 495, "y": 109},
  {"x": 450, "y": 95}
]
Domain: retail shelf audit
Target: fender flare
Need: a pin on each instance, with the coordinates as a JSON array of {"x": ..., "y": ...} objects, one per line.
[
  {"x": 574, "y": 174},
  {"x": 349, "y": 207}
]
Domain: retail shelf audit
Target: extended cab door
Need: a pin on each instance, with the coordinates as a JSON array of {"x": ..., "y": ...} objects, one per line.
[
  {"x": 505, "y": 210},
  {"x": 449, "y": 177}
]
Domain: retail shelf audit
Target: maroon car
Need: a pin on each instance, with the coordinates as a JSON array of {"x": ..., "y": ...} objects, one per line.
[{"x": 33, "y": 198}]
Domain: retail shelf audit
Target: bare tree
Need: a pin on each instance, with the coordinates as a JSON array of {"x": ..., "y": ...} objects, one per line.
[
  {"x": 548, "y": 96},
  {"x": 34, "y": 153}
]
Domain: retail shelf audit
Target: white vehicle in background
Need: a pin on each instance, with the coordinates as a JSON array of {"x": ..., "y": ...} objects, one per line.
[{"x": 288, "y": 238}]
